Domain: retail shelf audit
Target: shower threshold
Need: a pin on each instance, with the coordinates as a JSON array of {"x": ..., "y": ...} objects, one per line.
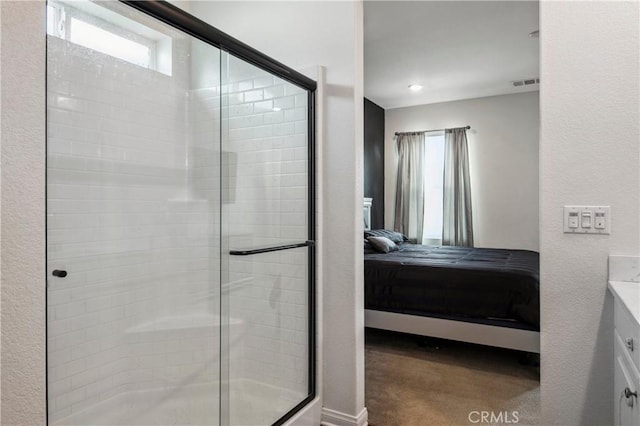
[{"x": 256, "y": 404}]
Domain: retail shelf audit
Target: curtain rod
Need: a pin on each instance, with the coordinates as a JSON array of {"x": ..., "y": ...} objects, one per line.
[{"x": 436, "y": 130}]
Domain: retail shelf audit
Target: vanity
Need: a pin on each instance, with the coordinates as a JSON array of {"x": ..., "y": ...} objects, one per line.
[{"x": 624, "y": 277}]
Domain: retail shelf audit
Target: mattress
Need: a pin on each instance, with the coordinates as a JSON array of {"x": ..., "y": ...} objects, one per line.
[{"x": 494, "y": 286}]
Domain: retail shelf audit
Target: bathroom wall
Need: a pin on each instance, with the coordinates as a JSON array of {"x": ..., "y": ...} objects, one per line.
[
  {"x": 589, "y": 155},
  {"x": 22, "y": 204}
]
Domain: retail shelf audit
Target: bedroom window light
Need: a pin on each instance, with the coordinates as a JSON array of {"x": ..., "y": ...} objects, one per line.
[{"x": 433, "y": 188}]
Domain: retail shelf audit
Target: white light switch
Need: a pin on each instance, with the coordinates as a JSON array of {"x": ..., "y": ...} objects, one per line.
[
  {"x": 602, "y": 219},
  {"x": 573, "y": 220},
  {"x": 587, "y": 219}
]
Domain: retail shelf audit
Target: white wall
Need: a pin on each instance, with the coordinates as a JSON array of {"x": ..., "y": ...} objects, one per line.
[
  {"x": 22, "y": 101},
  {"x": 589, "y": 154},
  {"x": 503, "y": 162}
]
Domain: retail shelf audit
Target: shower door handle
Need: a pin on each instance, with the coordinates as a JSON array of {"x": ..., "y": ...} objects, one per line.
[{"x": 307, "y": 243}]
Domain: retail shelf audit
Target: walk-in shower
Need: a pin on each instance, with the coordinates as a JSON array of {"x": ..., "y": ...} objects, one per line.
[{"x": 180, "y": 230}]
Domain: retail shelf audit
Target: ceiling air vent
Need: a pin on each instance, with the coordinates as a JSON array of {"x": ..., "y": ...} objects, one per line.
[{"x": 525, "y": 82}]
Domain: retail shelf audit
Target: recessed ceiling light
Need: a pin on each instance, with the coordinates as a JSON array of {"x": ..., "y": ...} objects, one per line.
[
  {"x": 534, "y": 34},
  {"x": 415, "y": 87}
]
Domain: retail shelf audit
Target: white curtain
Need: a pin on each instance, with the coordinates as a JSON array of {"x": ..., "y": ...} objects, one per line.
[
  {"x": 409, "y": 206},
  {"x": 457, "y": 227}
]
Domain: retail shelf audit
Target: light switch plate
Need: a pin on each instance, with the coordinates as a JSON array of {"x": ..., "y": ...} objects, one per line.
[{"x": 599, "y": 220}]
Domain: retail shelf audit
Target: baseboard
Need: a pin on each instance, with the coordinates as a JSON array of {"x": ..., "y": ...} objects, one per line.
[{"x": 336, "y": 418}]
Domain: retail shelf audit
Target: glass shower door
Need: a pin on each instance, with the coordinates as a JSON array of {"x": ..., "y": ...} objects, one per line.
[
  {"x": 133, "y": 219},
  {"x": 267, "y": 294},
  {"x": 179, "y": 223}
]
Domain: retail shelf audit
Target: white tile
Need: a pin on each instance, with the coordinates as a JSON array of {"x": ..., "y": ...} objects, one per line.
[
  {"x": 253, "y": 95},
  {"x": 69, "y": 310},
  {"x": 69, "y": 369},
  {"x": 83, "y": 149},
  {"x": 60, "y": 386},
  {"x": 59, "y": 357},
  {"x": 284, "y": 129},
  {"x": 83, "y": 378},
  {"x": 301, "y": 127},
  {"x": 264, "y": 106},
  {"x": 56, "y": 328},
  {"x": 290, "y": 89},
  {"x": 274, "y": 92},
  {"x": 114, "y": 367},
  {"x": 265, "y": 81},
  {"x": 284, "y": 102},
  {"x": 58, "y": 145},
  {"x": 67, "y": 399},
  {"x": 295, "y": 114},
  {"x": 262, "y": 131}
]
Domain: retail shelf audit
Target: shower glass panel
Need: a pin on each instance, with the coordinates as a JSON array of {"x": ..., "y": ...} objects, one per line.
[
  {"x": 180, "y": 225},
  {"x": 265, "y": 216},
  {"x": 133, "y": 222}
]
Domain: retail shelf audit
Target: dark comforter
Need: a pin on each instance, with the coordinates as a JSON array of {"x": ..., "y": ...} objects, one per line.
[{"x": 455, "y": 282}]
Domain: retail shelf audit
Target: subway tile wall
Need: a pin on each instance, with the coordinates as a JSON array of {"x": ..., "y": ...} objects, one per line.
[
  {"x": 139, "y": 307},
  {"x": 267, "y": 131},
  {"x": 138, "y": 205}
]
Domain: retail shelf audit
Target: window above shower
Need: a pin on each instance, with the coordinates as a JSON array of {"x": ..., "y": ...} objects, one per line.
[{"x": 96, "y": 27}]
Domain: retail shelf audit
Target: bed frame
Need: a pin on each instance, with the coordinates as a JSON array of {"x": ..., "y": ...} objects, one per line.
[
  {"x": 366, "y": 213},
  {"x": 483, "y": 334}
]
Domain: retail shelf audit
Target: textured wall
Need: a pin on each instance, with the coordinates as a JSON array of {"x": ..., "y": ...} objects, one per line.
[
  {"x": 589, "y": 154},
  {"x": 503, "y": 162},
  {"x": 22, "y": 215}
]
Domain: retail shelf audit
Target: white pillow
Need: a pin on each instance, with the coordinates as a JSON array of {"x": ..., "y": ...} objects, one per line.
[{"x": 382, "y": 244}]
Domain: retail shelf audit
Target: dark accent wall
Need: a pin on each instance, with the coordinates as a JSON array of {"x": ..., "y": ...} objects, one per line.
[{"x": 374, "y": 161}]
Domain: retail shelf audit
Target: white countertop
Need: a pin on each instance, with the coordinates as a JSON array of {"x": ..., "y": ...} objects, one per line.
[{"x": 628, "y": 293}]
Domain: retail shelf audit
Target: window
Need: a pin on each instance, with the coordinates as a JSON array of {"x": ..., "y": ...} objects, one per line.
[
  {"x": 90, "y": 25},
  {"x": 106, "y": 42},
  {"x": 433, "y": 188}
]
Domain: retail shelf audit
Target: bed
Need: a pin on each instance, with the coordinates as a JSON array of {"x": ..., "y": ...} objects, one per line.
[{"x": 478, "y": 295}]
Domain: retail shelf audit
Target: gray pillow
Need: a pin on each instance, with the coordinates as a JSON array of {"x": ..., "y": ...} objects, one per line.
[
  {"x": 382, "y": 244},
  {"x": 396, "y": 237}
]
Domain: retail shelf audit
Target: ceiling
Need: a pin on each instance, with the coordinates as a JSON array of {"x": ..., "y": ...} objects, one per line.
[{"x": 454, "y": 49}]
